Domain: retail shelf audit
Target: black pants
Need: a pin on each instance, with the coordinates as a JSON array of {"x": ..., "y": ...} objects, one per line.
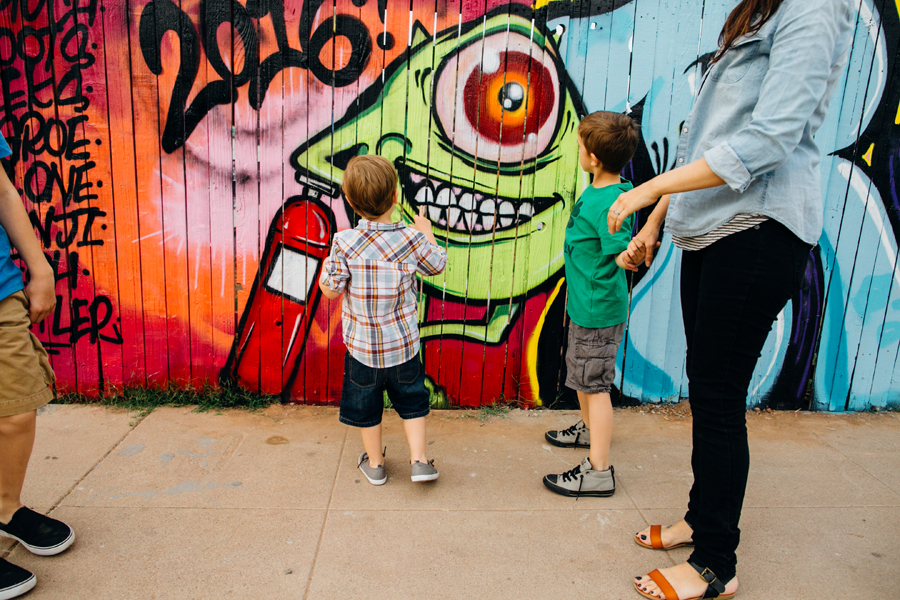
[{"x": 731, "y": 294}]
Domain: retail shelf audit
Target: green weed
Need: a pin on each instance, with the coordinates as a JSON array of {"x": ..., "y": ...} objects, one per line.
[{"x": 144, "y": 399}]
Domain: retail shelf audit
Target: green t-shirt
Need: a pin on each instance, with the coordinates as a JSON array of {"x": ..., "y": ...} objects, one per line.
[{"x": 598, "y": 290}]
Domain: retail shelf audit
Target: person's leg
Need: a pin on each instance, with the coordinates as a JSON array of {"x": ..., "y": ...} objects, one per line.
[
  {"x": 406, "y": 388},
  {"x": 744, "y": 282},
  {"x": 585, "y": 405},
  {"x": 691, "y": 267},
  {"x": 362, "y": 405},
  {"x": 415, "y": 435},
  {"x": 371, "y": 438},
  {"x": 16, "y": 442},
  {"x": 601, "y": 425}
]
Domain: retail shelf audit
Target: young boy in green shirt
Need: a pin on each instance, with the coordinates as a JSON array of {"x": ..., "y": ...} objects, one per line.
[{"x": 598, "y": 301}]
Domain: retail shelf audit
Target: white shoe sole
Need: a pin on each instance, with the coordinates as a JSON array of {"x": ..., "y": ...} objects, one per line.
[
  {"x": 51, "y": 551},
  {"x": 375, "y": 481},
  {"x": 17, "y": 590},
  {"x": 418, "y": 478}
]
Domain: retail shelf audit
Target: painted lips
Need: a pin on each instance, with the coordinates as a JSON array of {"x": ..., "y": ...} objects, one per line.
[{"x": 466, "y": 211}]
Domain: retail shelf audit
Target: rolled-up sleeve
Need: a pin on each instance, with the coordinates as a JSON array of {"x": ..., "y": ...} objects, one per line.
[
  {"x": 335, "y": 271},
  {"x": 432, "y": 259},
  {"x": 800, "y": 66}
]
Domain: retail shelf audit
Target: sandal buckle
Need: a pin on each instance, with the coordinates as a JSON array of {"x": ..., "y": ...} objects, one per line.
[{"x": 710, "y": 578}]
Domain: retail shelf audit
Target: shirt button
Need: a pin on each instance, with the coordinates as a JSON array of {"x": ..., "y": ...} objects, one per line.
[
  {"x": 685, "y": 130},
  {"x": 681, "y": 160}
]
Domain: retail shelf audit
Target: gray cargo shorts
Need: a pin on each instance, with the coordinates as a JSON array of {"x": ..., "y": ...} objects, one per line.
[{"x": 591, "y": 357}]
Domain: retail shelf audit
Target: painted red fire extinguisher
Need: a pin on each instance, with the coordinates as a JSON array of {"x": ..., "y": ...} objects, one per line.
[{"x": 284, "y": 297}]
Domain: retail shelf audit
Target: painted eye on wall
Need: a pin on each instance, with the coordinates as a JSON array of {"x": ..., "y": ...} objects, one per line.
[{"x": 498, "y": 99}]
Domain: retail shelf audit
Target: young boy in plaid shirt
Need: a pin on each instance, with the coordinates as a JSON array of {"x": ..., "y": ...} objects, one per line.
[{"x": 374, "y": 266}]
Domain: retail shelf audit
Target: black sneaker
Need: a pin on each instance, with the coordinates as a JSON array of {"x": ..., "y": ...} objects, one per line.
[
  {"x": 39, "y": 533},
  {"x": 14, "y": 581}
]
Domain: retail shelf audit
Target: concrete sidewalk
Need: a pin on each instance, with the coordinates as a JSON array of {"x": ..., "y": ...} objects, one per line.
[{"x": 270, "y": 505}]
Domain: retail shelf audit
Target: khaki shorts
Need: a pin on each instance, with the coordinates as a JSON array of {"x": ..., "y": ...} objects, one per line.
[
  {"x": 24, "y": 369},
  {"x": 591, "y": 357}
]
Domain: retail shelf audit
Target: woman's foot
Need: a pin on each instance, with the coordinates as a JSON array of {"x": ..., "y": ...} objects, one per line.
[
  {"x": 686, "y": 582},
  {"x": 673, "y": 536}
]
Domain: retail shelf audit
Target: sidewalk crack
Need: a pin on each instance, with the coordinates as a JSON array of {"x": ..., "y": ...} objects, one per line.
[{"x": 312, "y": 568}]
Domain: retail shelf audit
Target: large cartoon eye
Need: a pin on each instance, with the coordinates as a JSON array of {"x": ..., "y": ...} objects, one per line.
[{"x": 498, "y": 98}]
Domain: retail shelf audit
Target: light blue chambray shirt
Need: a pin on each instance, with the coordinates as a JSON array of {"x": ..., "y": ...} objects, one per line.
[{"x": 755, "y": 117}]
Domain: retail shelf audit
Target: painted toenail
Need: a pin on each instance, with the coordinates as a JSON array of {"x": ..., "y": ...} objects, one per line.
[{"x": 643, "y": 537}]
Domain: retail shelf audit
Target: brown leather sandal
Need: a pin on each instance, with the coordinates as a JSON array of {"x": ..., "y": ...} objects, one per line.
[
  {"x": 656, "y": 540},
  {"x": 714, "y": 587}
]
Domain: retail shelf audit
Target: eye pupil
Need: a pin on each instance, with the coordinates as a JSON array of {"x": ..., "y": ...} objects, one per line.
[{"x": 511, "y": 96}]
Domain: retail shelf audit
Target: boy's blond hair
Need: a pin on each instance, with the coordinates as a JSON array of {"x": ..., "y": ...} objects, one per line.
[
  {"x": 369, "y": 185},
  {"x": 611, "y": 137}
]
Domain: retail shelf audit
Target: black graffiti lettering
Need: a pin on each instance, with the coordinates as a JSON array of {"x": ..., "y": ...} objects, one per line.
[
  {"x": 32, "y": 137},
  {"x": 86, "y": 319},
  {"x": 29, "y": 13},
  {"x": 42, "y": 68},
  {"x": 80, "y": 58},
  {"x": 77, "y": 99},
  {"x": 61, "y": 133},
  {"x": 75, "y": 225},
  {"x": 158, "y": 18},
  {"x": 77, "y": 7},
  {"x": 70, "y": 274},
  {"x": 353, "y": 30},
  {"x": 12, "y": 103},
  {"x": 72, "y": 124},
  {"x": 32, "y": 53},
  {"x": 39, "y": 180},
  {"x": 162, "y": 16}
]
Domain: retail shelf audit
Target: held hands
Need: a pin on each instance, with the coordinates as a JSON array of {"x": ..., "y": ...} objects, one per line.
[{"x": 642, "y": 247}]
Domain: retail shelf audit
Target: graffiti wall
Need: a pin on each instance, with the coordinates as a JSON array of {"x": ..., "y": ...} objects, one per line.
[{"x": 181, "y": 162}]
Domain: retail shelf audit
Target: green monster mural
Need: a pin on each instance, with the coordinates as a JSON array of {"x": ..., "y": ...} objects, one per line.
[{"x": 480, "y": 123}]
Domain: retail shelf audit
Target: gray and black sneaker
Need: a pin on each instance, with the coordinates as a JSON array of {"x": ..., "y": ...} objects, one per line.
[
  {"x": 376, "y": 476},
  {"x": 576, "y": 436},
  {"x": 424, "y": 471},
  {"x": 14, "y": 581},
  {"x": 583, "y": 481}
]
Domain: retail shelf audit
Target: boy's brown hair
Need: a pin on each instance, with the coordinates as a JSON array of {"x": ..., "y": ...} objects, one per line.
[
  {"x": 369, "y": 184},
  {"x": 611, "y": 137}
]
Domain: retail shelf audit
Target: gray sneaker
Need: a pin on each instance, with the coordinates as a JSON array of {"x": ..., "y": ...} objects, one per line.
[
  {"x": 424, "y": 471},
  {"x": 376, "y": 476},
  {"x": 576, "y": 436},
  {"x": 583, "y": 481}
]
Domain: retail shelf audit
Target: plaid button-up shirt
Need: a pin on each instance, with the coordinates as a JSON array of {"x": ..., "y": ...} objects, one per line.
[{"x": 375, "y": 264}]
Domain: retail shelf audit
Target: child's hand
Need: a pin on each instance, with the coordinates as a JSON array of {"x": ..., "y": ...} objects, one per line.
[
  {"x": 627, "y": 263},
  {"x": 642, "y": 247},
  {"x": 421, "y": 223}
]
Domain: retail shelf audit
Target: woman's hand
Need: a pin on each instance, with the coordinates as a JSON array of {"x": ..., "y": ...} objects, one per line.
[{"x": 628, "y": 203}]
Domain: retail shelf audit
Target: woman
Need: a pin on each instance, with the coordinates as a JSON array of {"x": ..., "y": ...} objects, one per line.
[{"x": 746, "y": 207}]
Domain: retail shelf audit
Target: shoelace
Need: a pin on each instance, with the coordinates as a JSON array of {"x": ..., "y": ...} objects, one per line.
[
  {"x": 572, "y": 474},
  {"x": 571, "y": 430}
]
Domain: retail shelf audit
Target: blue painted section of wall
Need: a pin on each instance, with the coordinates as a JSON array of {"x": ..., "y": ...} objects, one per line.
[{"x": 644, "y": 56}]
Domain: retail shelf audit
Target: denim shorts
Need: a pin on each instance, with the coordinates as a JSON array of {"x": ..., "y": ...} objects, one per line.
[
  {"x": 362, "y": 398},
  {"x": 591, "y": 357}
]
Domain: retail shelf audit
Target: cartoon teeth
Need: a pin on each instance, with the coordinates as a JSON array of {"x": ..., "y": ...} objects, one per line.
[{"x": 465, "y": 211}]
